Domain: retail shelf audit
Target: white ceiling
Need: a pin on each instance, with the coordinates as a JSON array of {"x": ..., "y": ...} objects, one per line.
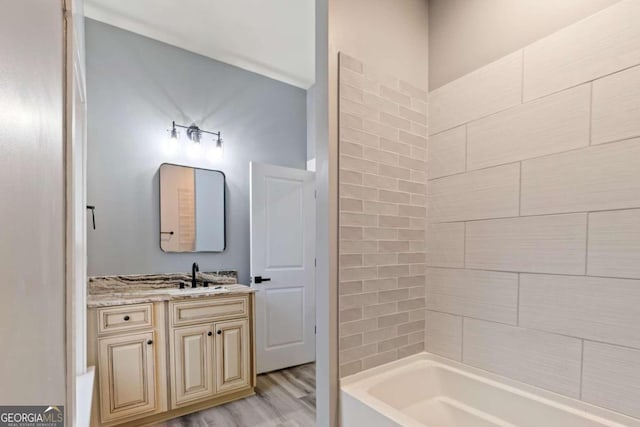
[{"x": 275, "y": 38}]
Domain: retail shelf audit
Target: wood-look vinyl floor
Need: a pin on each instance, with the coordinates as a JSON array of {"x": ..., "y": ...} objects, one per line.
[{"x": 283, "y": 398}]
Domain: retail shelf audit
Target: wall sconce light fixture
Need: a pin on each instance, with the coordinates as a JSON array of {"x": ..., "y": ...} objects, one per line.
[{"x": 195, "y": 135}]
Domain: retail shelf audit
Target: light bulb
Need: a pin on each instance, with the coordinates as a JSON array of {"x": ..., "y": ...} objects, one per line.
[
  {"x": 194, "y": 150},
  {"x": 216, "y": 151},
  {"x": 173, "y": 139}
]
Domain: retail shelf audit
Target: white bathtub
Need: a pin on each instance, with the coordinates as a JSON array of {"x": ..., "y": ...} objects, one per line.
[{"x": 427, "y": 390}]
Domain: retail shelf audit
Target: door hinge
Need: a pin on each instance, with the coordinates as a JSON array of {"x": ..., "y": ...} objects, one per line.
[
  {"x": 315, "y": 262},
  {"x": 315, "y": 330},
  {"x": 315, "y": 194}
]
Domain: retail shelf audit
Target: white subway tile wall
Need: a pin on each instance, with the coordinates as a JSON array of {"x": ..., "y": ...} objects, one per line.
[
  {"x": 534, "y": 244},
  {"x": 610, "y": 377},
  {"x": 548, "y": 125},
  {"x": 487, "y": 193},
  {"x": 487, "y": 295},
  {"x": 447, "y": 155},
  {"x": 488, "y": 90},
  {"x": 382, "y": 186},
  {"x": 595, "y": 308},
  {"x": 446, "y": 244},
  {"x": 538, "y": 358},
  {"x": 602, "y": 44},
  {"x": 597, "y": 178},
  {"x": 614, "y": 244},
  {"x": 533, "y": 199},
  {"x": 616, "y": 113},
  {"x": 444, "y": 334}
]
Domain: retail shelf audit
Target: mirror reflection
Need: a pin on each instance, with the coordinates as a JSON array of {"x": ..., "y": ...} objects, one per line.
[{"x": 192, "y": 209}]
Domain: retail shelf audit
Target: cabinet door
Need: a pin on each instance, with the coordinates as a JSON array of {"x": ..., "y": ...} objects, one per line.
[
  {"x": 232, "y": 355},
  {"x": 127, "y": 375},
  {"x": 193, "y": 363}
]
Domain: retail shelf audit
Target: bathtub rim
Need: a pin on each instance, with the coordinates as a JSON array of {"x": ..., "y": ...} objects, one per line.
[{"x": 357, "y": 386}]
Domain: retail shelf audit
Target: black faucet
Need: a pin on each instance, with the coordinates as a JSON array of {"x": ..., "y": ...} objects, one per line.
[{"x": 194, "y": 270}]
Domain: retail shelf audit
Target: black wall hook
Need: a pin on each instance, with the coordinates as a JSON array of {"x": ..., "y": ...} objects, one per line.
[{"x": 93, "y": 214}]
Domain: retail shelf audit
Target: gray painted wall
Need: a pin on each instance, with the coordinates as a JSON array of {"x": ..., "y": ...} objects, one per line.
[
  {"x": 135, "y": 88},
  {"x": 464, "y": 35},
  {"x": 32, "y": 250}
]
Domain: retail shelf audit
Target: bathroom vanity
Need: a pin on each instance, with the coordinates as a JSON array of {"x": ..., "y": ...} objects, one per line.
[{"x": 161, "y": 351}]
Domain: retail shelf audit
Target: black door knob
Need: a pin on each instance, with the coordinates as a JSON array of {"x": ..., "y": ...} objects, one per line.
[
  {"x": 210, "y": 333},
  {"x": 219, "y": 332},
  {"x": 126, "y": 318},
  {"x": 150, "y": 342},
  {"x": 260, "y": 279}
]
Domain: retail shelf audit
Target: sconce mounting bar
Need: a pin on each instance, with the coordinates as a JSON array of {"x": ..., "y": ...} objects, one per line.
[{"x": 194, "y": 128}]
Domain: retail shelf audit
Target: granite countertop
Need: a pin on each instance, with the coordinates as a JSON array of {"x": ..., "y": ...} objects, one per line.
[{"x": 105, "y": 291}]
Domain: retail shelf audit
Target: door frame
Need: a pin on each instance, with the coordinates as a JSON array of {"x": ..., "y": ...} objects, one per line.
[
  {"x": 77, "y": 376},
  {"x": 325, "y": 135}
]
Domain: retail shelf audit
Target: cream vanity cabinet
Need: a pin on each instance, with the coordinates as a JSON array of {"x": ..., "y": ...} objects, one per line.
[
  {"x": 161, "y": 360},
  {"x": 232, "y": 347},
  {"x": 127, "y": 344},
  {"x": 211, "y": 345},
  {"x": 128, "y": 365}
]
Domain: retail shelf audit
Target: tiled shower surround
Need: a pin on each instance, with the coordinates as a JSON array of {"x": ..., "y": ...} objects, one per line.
[
  {"x": 533, "y": 215},
  {"x": 533, "y": 208},
  {"x": 383, "y": 139}
]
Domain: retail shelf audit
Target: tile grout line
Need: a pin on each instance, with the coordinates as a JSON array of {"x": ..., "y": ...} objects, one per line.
[
  {"x": 464, "y": 245},
  {"x": 581, "y": 367},
  {"x": 533, "y": 273},
  {"x": 518, "y": 302},
  {"x": 545, "y": 331},
  {"x": 339, "y": 215},
  {"x": 546, "y": 95},
  {"x": 466, "y": 148},
  {"x": 543, "y": 156},
  {"x": 586, "y": 247},
  {"x": 453, "y": 221},
  {"x": 590, "y": 114},
  {"x": 520, "y": 191},
  {"x": 462, "y": 339},
  {"x": 522, "y": 79}
]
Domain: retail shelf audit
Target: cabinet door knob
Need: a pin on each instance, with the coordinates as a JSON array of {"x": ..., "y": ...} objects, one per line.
[
  {"x": 219, "y": 332},
  {"x": 210, "y": 333},
  {"x": 150, "y": 342},
  {"x": 126, "y": 318}
]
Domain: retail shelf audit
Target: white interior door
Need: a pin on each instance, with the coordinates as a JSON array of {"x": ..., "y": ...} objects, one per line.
[{"x": 283, "y": 264}]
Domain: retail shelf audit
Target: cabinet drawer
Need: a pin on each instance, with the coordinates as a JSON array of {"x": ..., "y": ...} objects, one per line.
[
  {"x": 125, "y": 317},
  {"x": 184, "y": 313}
]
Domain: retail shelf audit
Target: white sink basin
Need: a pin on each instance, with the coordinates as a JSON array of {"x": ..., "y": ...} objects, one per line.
[{"x": 189, "y": 291}]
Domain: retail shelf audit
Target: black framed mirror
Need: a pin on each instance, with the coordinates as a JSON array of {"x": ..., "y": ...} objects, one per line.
[{"x": 192, "y": 209}]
